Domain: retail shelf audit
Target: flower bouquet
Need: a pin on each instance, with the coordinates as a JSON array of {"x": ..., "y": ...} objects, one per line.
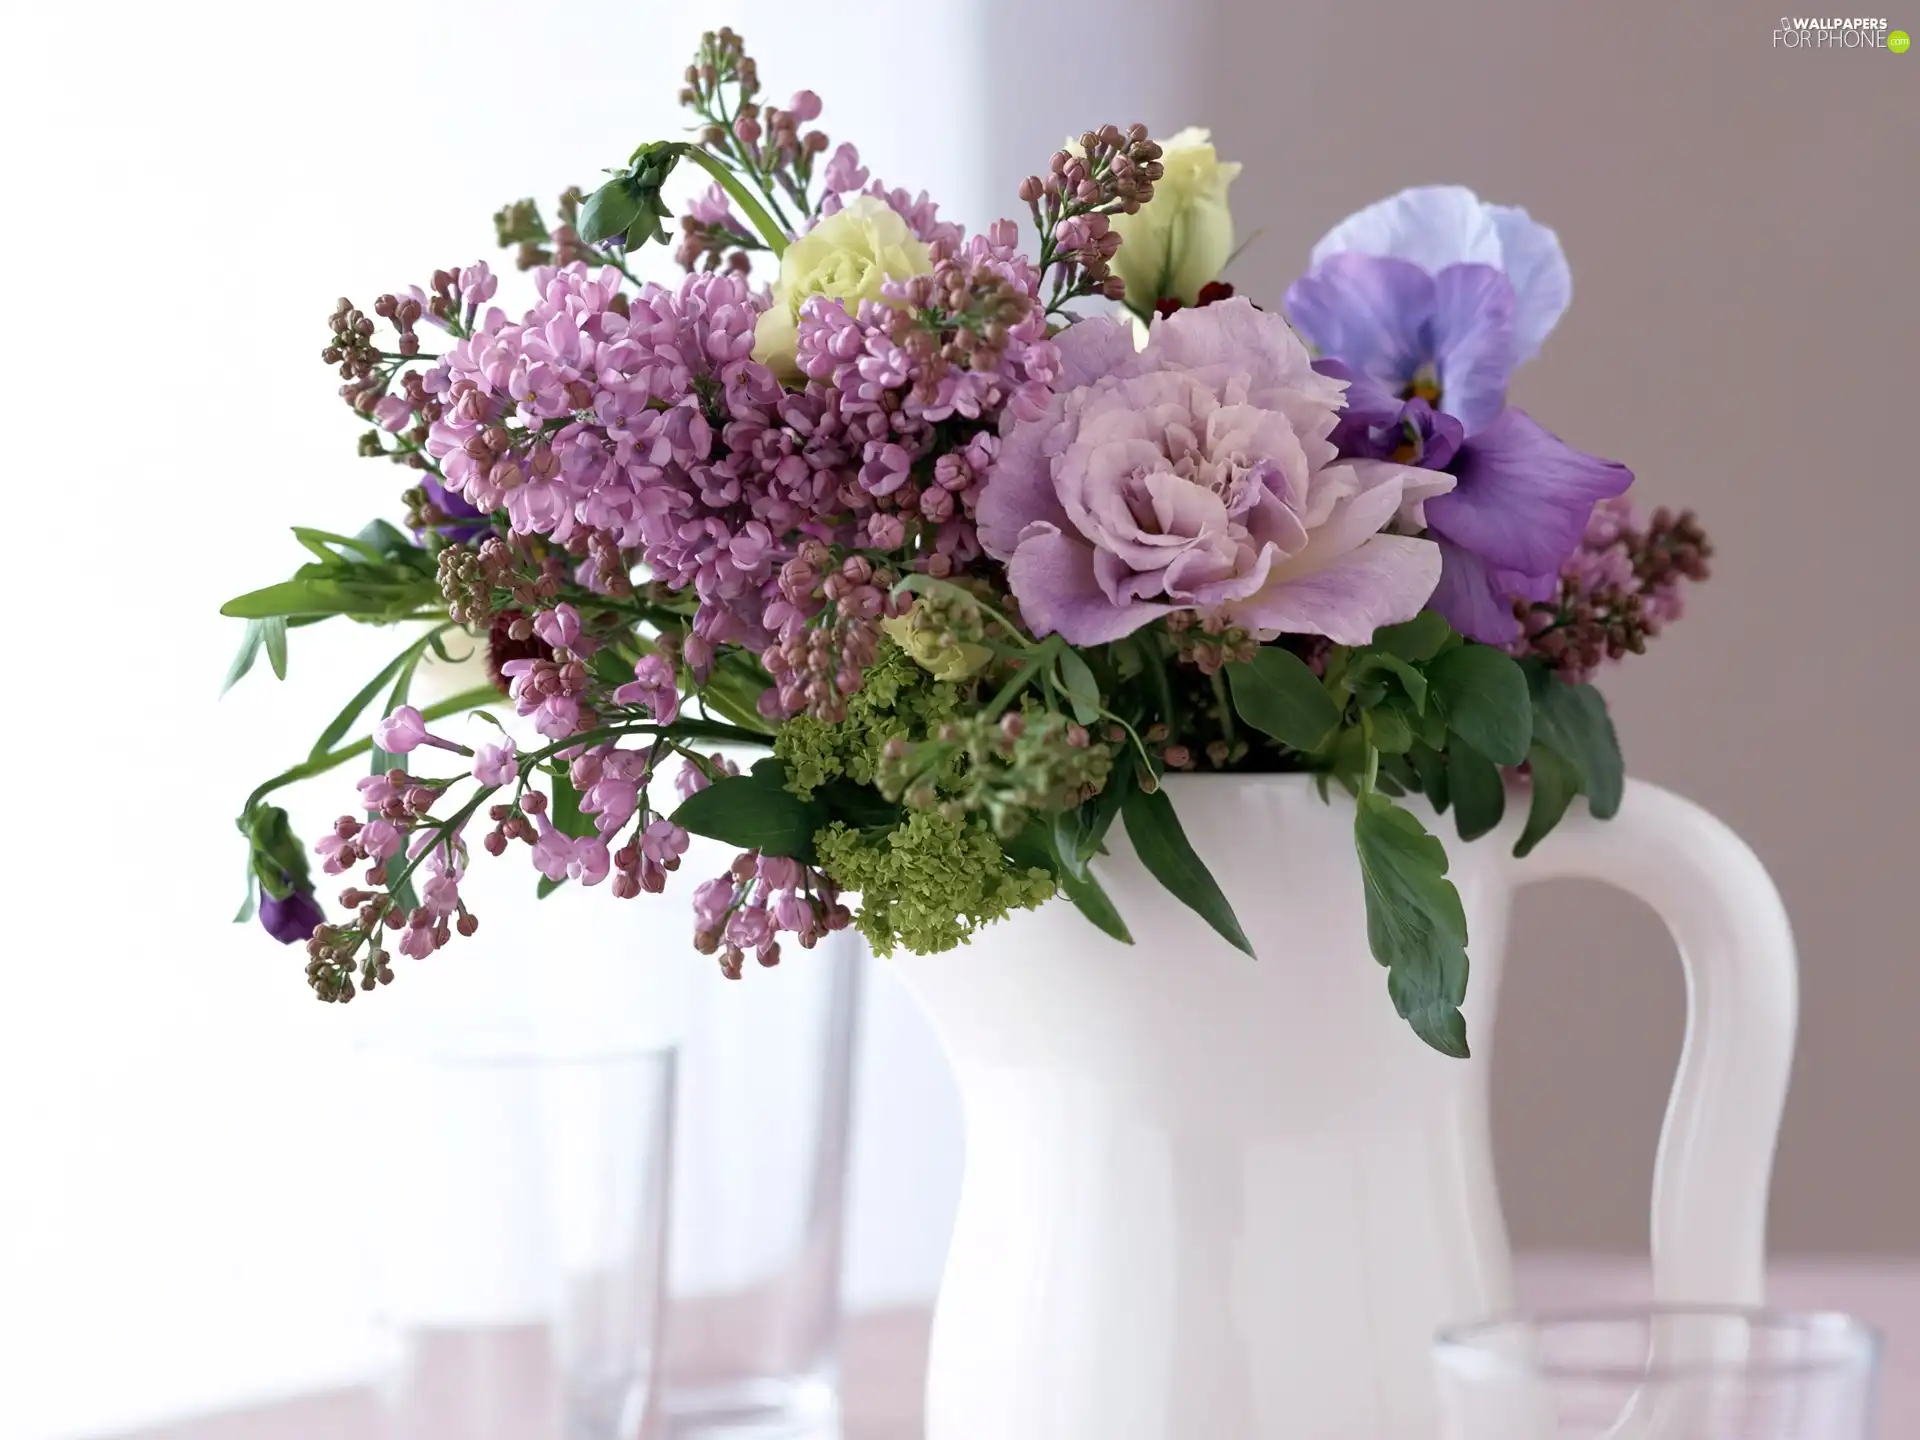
[{"x": 976, "y": 544}]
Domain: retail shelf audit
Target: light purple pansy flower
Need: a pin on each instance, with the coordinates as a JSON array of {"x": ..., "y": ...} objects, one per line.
[
  {"x": 1197, "y": 474},
  {"x": 1520, "y": 505},
  {"x": 1436, "y": 295}
]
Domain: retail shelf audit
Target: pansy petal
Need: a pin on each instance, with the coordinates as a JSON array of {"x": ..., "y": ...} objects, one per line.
[
  {"x": 1383, "y": 582},
  {"x": 1473, "y": 341},
  {"x": 1530, "y": 253},
  {"x": 1434, "y": 226},
  {"x": 1054, "y": 580},
  {"x": 1524, "y": 495},
  {"x": 1477, "y": 598},
  {"x": 1367, "y": 310}
]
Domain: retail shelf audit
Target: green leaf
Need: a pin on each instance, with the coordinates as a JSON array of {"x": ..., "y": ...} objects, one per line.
[
  {"x": 1430, "y": 764},
  {"x": 546, "y": 887},
  {"x": 566, "y": 814},
  {"x": 1555, "y": 782},
  {"x": 1162, "y": 846},
  {"x": 243, "y": 662},
  {"x": 1278, "y": 695},
  {"x": 1479, "y": 794},
  {"x": 754, "y": 811},
  {"x": 322, "y": 542},
  {"x": 387, "y": 539},
  {"x": 1371, "y": 663},
  {"x": 1573, "y": 720},
  {"x": 385, "y": 597},
  {"x": 1036, "y": 847},
  {"x": 1082, "y": 689},
  {"x": 356, "y": 707},
  {"x": 245, "y": 912},
  {"x": 1415, "y": 922},
  {"x": 1092, "y": 901},
  {"x": 858, "y": 806},
  {"x": 1388, "y": 731},
  {"x": 273, "y": 633},
  {"x": 1419, "y": 639},
  {"x": 1079, "y": 834},
  {"x": 1487, "y": 702}
]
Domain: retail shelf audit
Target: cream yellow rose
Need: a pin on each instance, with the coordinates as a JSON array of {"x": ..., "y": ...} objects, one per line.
[
  {"x": 1182, "y": 238},
  {"x": 848, "y": 256}
]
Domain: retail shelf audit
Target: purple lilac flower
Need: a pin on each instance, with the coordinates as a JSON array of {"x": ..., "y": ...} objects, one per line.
[
  {"x": 1520, "y": 503},
  {"x": 1197, "y": 475},
  {"x": 1435, "y": 295}
]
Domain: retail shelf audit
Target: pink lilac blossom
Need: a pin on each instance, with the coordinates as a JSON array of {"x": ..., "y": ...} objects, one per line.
[
  {"x": 759, "y": 898},
  {"x": 691, "y": 779},
  {"x": 550, "y": 692},
  {"x": 560, "y": 856},
  {"x": 401, "y": 732},
  {"x": 654, "y": 687},
  {"x": 495, "y": 764}
]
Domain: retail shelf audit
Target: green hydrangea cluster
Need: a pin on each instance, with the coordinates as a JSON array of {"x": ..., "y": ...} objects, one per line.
[
  {"x": 930, "y": 882},
  {"x": 896, "y": 698}
]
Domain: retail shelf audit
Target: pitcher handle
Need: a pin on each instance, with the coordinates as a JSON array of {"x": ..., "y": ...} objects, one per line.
[{"x": 1715, "y": 1161}]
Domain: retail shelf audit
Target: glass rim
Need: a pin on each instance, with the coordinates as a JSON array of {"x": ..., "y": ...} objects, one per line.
[{"x": 1858, "y": 1349}]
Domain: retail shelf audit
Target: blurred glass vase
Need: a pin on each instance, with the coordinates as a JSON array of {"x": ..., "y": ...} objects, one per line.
[
  {"x": 521, "y": 1227},
  {"x": 1676, "y": 1373},
  {"x": 759, "y": 1198}
]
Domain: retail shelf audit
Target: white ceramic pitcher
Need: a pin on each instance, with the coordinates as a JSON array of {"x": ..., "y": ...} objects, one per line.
[{"x": 1216, "y": 1198}]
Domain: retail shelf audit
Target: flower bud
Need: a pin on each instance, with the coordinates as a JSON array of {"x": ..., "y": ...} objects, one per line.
[{"x": 1181, "y": 239}]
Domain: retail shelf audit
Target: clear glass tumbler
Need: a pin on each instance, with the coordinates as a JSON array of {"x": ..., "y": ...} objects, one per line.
[
  {"x": 1663, "y": 1373},
  {"x": 759, "y": 1202},
  {"x": 520, "y": 1226}
]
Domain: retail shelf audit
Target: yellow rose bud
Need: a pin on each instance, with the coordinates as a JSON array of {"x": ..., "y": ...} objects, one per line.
[
  {"x": 1182, "y": 238},
  {"x": 848, "y": 256},
  {"x": 950, "y": 661}
]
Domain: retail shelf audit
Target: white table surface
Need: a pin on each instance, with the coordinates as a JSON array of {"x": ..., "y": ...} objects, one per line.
[{"x": 885, "y": 1353}]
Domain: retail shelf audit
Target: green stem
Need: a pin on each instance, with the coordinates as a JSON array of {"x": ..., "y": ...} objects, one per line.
[
  {"x": 756, "y": 212},
  {"x": 1219, "y": 681},
  {"x": 1040, "y": 661}
]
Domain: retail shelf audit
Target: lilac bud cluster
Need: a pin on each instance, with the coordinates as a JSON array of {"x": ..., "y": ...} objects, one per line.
[
  {"x": 1209, "y": 642},
  {"x": 1109, "y": 171},
  {"x": 398, "y": 838},
  {"x": 828, "y": 624},
  {"x": 759, "y": 898},
  {"x": 770, "y": 144},
  {"x": 352, "y": 348},
  {"x": 1620, "y": 588},
  {"x": 496, "y": 578}
]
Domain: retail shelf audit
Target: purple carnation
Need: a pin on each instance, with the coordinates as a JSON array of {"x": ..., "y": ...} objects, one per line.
[{"x": 1198, "y": 475}]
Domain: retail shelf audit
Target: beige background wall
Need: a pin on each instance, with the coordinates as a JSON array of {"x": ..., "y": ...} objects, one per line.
[{"x": 1744, "y": 229}]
